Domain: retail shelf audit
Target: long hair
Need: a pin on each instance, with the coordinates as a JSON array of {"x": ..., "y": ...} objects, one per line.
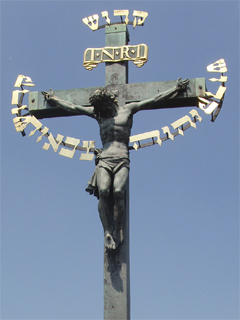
[
  {"x": 97, "y": 100},
  {"x": 101, "y": 95}
]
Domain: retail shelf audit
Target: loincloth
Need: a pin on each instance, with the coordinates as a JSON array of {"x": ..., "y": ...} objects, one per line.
[{"x": 112, "y": 164}]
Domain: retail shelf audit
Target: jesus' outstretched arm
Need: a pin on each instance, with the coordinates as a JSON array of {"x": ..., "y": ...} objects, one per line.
[
  {"x": 157, "y": 101},
  {"x": 54, "y": 101}
]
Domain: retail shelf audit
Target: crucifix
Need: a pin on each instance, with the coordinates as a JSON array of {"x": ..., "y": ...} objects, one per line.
[{"x": 113, "y": 107}]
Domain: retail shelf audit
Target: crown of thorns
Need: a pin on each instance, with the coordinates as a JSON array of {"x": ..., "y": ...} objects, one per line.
[{"x": 101, "y": 95}]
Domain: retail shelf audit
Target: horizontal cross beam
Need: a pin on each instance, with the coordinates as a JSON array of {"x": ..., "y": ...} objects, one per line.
[{"x": 125, "y": 93}]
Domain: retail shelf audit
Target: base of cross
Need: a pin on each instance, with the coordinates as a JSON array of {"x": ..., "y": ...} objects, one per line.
[{"x": 117, "y": 274}]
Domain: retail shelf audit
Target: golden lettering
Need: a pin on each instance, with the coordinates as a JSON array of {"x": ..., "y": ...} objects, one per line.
[
  {"x": 138, "y": 54},
  {"x": 43, "y": 131},
  {"x": 15, "y": 95},
  {"x": 222, "y": 79},
  {"x": 36, "y": 123},
  {"x": 218, "y": 66},
  {"x": 144, "y": 136},
  {"x": 140, "y": 60},
  {"x": 207, "y": 106},
  {"x": 73, "y": 144},
  {"x": 219, "y": 94},
  {"x": 89, "y": 64},
  {"x": 19, "y": 81},
  {"x": 16, "y": 110},
  {"x": 141, "y": 15},
  {"x": 168, "y": 133},
  {"x": 105, "y": 15},
  {"x": 122, "y": 13},
  {"x": 180, "y": 122},
  {"x": 124, "y": 51},
  {"x": 53, "y": 142},
  {"x": 21, "y": 123},
  {"x": 195, "y": 115},
  {"x": 88, "y": 145},
  {"x": 107, "y": 53},
  {"x": 92, "y": 21}
]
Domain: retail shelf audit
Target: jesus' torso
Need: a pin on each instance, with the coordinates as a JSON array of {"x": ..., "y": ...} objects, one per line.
[{"x": 115, "y": 132}]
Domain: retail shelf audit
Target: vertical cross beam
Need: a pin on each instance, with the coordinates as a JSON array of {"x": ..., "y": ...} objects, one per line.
[
  {"x": 116, "y": 262},
  {"x": 116, "y": 73}
]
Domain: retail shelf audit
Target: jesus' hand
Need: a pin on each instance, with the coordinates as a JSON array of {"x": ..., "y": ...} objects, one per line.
[
  {"x": 48, "y": 95},
  {"x": 182, "y": 84}
]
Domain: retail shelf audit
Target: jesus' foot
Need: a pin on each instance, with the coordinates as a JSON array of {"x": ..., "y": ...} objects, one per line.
[{"x": 109, "y": 242}]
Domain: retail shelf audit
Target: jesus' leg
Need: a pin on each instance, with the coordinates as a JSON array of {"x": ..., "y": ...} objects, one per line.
[
  {"x": 119, "y": 187},
  {"x": 104, "y": 182}
]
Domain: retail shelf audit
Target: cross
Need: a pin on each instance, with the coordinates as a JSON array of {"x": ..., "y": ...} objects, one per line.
[{"x": 116, "y": 259}]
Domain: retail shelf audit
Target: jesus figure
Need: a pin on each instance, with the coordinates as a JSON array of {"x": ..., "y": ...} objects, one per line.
[{"x": 112, "y": 161}]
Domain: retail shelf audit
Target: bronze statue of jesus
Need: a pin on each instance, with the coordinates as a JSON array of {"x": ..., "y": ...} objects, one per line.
[{"x": 112, "y": 161}]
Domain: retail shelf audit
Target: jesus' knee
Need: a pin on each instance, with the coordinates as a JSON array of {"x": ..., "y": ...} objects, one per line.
[
  {"x": 118, "y": 194},
  {"x": 104, "y": 192}
]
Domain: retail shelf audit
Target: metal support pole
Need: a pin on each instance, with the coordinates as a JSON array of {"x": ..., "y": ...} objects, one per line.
[
  {"x": 116, "y": 262},
  {"x": 117, "y": 275}
]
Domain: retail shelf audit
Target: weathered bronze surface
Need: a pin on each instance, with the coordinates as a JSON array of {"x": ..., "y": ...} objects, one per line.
[
  {"x": 112, "y": 162},
  {"x": 125, "y": 93}
]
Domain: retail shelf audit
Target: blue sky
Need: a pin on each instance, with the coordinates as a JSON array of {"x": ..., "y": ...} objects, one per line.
[{"x": 184, "y": 195}]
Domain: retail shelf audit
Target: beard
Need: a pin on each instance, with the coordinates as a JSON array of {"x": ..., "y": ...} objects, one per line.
[{"x": 105, "y": 111}]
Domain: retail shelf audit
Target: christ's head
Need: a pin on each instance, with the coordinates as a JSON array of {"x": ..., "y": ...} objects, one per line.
[{"x": 104, "y": 103}]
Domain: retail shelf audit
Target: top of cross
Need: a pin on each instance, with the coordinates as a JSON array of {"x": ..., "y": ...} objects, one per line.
[{"x": 116, "y": 50}]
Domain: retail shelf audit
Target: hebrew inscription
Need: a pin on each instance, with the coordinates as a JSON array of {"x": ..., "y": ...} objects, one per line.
[
  {"x": 19, "y": 82},
  {"x": 53, "y": 142},
  {"x": 15, "y": 95},
  {"x": 122, "y": 13},
  {"x": 218, "y": 66},
  {"x": 179, "y": 125},
  {"x": 219, "y": 94},
  {"x": 144, "y": 136},
  {"x": 73, "y": 143},
  {"x": 88, "y": 145},
  {"x": 105, "y": 15},
  {"x": 93, "y": 21},
  {"x": 209, "y": 105},
  {"x": 180, "y": 122},
  {"x": 142, "y": 17}
]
